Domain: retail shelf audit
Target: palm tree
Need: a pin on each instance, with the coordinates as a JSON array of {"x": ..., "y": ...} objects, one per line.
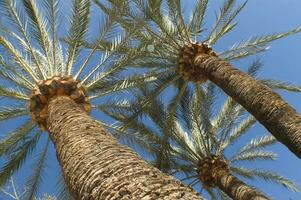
[
  {"x": 179, "y": 48},
  {"x": 52, "y": 85},
  {"x": 198, "y": 145}
]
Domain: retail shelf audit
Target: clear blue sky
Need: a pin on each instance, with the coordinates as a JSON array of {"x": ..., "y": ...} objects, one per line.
[{"x": 282, "y": 62}]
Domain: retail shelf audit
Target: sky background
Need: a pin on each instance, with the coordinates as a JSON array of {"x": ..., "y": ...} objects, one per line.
[{"x": 281, "y": 62}]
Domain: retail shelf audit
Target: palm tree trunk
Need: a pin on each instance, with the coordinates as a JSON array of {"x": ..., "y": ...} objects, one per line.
[
  {"x": 279, "y": 118},
  {"x": 237, "y": 189},
  {"x": 95, "y": 166}
]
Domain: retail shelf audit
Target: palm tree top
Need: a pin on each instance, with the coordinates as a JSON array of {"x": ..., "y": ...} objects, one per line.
[
  {"x": 197, "y": 141},
  {"x": 170, "y": 40},
  {"x": 165, "y": 30}
]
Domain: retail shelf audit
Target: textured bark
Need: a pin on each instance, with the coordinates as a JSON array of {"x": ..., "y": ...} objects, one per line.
[
  {"x": 277, "y": 116},
  {"x": 237, "y": 189},
  {"x": 96, "y": 167}
]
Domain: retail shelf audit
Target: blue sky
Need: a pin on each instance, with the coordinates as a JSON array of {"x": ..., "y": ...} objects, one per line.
[{"x": 281, "y": 62}]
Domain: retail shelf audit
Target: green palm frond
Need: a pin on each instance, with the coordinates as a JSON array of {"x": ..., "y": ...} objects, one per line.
[
  {"x": 253, "y": 45},
  {"x": 13, "y": 93},
  {"x": 40, "y": 33},
  {"x": 197, "y": 17},
  {"x": 212, "y": 194},
  {"x": 265, "y": 175},
  {"x": 79, "y": 27},
  {"x": 12, "y": 139},
  {"x": 224, "y": 20},
  {"x": 19, "y": 59},
  {"x": 17, "y": 159},
  {"x": 16, "y": 77},
  {"x": 280, "y": 85},
  {"x": 9, "y": 113},
  {"x": 241, "y": 129},
  {"x": 63, "y": 191},
  {"x": 258, "y": 143},
  {"x": 253, "y": 155},
  {"x": 32, "y": 184}
]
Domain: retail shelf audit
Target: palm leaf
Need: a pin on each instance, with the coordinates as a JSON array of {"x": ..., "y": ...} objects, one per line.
[
  {"x": 35, "y": 179},
  {"x": 265, "y": 175},
  {"x": 12, "y": 139},
  {"x": 258, "y": 143},
  {"x": 253, "y": 155},
  {"x": 79, "y": 26},
  {"x": 17, "y": 159},
  {"x": 225, "y": 25},
  {"x": 62, "y": 188},
  {"x": 9, "y": 113},
  {"x": 279, "y": 85},
  {"x": 40, "y": 32},
  {"x": 253, "y": 45},
  {"x": 12, "y": 93},
  {"x": 19, "y": 59}
]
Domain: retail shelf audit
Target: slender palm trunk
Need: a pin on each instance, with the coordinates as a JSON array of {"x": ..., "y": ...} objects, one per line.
[
  {"x": 237, "y": 189},
  {"x": 95, "y": 166},
  {"x": 266, "y": 106}
]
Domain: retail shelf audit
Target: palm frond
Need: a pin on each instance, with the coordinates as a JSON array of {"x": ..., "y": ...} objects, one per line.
[
  {"x": 52, "y": 10},
  {"x": 12, "y": 139},
  {"x": 9, "y": 113},
  {"x": 241, "y": 129},
  {"x": 197, "y": 18},
  {"x": 185, "y": 148},
  {"x": 121, "y": 85},
  {"x": 265, "y": 175},
  {"x": 18, "y": 20},
  {"x": 224, "y": 21},
  {"x": 258, "y": 143},
  {"x": 172, "y": 107},
  {"x": 12, "y": 93},
  {"x": 184, "y": 111},
  {"x": 118, "y": 42},
  {"x": 8, "y": 72},
  {"x": 225, "y": 112},
  {"x": 137, "y": 134},
  {"x": 109, "y": 47},
  {"x": 79, "y": 27},
  {"x": 253, "y": 156},
  {"x": 40, "y": 33},
  {"x": 35, "y": 179},
  {"x": 253, "y": 45},
  {"x": 19, "y": 59},
  {"x": 176, "y": 14},
  {"x": 255, "y": 66},
  {"x": 62, "y": 188},
  {"x": 222, "y": 16},
  {"x": 17, "y": 159},
  {"x": 280, "y": 85}
]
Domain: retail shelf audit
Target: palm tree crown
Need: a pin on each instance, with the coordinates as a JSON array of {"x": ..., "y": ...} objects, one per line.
[
  {"x": 196, "y": 136},
  {"x": 167, "y": 36},
  {"x": 180, "y": 50}
]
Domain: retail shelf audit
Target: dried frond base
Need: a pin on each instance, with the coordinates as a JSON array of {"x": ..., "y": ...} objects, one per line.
[
  {"x": 55, "y": 86},
  {"x": 211, "y": 168},
  {"x": 186, "y": 67}
]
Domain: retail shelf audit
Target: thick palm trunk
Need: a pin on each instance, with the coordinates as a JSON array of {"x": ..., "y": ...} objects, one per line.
[
  {"x": 237, "y": 189},
  {"x": 265, "y": 105},
  {"x": 95, "y": 166}
]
